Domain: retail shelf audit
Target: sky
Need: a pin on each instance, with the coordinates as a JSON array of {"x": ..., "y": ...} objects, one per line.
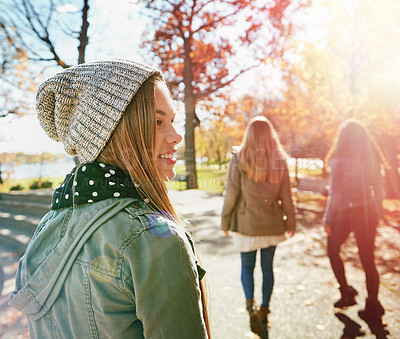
[
  {"x": 25, "y": 135},
  {"x": 115, "y": 29},
  {"x": 111, "y": 34}
]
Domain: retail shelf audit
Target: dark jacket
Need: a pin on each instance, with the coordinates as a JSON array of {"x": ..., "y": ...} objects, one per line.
[
  {"x": 352, "y": 184},
  {"x": 257, "y": 208}
]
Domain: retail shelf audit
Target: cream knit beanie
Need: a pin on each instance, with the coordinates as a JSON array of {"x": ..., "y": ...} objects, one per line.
[{"x": 82, "y": 105}]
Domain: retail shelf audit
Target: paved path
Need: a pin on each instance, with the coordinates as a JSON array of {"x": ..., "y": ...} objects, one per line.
[
  {"x": 304, "y": 292},
  {"x": 305, "y": 289}
]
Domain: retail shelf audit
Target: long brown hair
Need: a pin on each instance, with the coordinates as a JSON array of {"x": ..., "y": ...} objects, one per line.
[
  {"x": 261, "y": 154},
  {"x": 353, "y": 141},
  {"x": 131, "y": 148}
]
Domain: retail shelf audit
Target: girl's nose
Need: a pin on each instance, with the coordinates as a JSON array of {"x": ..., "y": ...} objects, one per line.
[{"x": 174, "y": 137}]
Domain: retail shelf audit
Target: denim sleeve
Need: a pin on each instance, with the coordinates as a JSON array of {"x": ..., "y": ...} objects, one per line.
[
  {"x": 165, "y": 280},
  {"x": 232, "y": 193}
]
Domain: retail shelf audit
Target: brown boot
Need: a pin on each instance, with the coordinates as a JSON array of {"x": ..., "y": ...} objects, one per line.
[
  {"x": 373, "y": 311},
  {"x": 348, "y": 297},
  {"x": 255, "y": 325},
  {"x": 250, "y": 305},
  {"x": 262, "y": 314}
]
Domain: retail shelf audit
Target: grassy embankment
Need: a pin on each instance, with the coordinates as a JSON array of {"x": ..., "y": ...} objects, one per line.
[
  {"x": 26, "y": 183},
  {"x": 210, "y": 179},
  {"x": 213, "y": 180}
]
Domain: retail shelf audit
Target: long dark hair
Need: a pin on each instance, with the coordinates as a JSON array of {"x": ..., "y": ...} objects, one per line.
[{"x": 354, "y": 142}]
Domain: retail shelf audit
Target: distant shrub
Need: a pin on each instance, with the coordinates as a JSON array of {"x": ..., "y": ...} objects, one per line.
[
  {"x": 36, "y": 184},
  {"x": 16, "y": 188},
  {"x": 47, "y": 184}
]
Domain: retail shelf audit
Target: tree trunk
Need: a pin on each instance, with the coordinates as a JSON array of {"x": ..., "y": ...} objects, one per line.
[
  {"x": 83, "y": 37},
  {"x": 83, "y": 41},
  {"x": 191, "y": 119}
]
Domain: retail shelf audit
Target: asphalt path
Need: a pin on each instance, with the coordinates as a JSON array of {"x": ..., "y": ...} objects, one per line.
[{"x": 305, "y": 288}]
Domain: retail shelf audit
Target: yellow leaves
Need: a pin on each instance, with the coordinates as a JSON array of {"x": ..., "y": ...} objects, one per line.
[{"x": 215, "y": 140}]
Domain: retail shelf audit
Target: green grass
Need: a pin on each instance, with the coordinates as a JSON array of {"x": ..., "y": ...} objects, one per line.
[
  {"x": 307, "y": 171},
  {"x": 209, "y": 179},
  {"x": 25, "y": 183}
]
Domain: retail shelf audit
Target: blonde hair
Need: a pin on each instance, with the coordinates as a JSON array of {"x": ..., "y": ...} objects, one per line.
[
  {"x": 131, "y": 148},
  {"x": 261, "y": 154}
]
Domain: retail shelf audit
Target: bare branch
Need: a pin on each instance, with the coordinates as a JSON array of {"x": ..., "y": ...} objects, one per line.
[
  {"x": 213, "y": 89},
  {"x": 204, "y": 5},
  {"x": 4, "y": 113},
  {"x": 30, "y": 22},
  {"x": 22, "y": 42},
  {"x": 51, "y": 12},
  {"x": 215, "y": 22}
]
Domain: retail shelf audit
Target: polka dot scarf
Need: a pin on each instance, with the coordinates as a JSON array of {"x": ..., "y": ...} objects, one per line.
[{"x": 92, "y": 182}]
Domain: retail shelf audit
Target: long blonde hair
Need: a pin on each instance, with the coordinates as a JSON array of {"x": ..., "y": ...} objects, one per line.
[
  {"x": 131, "y": 148},
  {"x": 261, "y": 154}
]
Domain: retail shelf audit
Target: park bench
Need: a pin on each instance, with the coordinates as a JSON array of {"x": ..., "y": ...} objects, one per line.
[
  {"x": 308, "y": 185},
  {"x": 320, "y": 186}
]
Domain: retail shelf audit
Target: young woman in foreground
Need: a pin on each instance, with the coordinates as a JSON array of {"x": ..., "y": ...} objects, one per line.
[
  {"x": 258, "y": 209},
  {"x": 110, "y": 259}
]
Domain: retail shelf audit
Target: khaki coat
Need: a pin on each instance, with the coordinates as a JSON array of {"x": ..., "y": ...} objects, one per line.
[{"x": 254, "y": 208}]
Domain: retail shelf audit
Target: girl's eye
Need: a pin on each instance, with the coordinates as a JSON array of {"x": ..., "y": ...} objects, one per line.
[{"x": 158, "y": 122}]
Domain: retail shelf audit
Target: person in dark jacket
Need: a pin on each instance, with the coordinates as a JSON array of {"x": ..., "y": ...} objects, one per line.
[
  {"x": 110, "y": 259},
  {"x": 355, "y": 205},
  {"x": 258, "y": 210}
]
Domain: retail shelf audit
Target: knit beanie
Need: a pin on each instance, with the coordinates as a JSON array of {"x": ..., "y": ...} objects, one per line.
[{"x": 82, "y": 105}]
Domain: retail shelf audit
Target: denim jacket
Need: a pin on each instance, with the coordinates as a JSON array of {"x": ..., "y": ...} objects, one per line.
[
  {"x": 112, "y": 269},
  {"x": 352, "y": 185}
]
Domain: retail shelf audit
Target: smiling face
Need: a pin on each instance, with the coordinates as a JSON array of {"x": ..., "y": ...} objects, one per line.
[{"x": 166, "y": 138}]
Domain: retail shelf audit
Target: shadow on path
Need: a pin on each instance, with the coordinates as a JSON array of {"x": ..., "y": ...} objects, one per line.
[
  {"x": 351, "y": 328},
  {"x": 377, "y": 328}
]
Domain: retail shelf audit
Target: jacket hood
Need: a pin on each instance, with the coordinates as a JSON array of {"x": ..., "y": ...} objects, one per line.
[{"x": 52, "y": 251}]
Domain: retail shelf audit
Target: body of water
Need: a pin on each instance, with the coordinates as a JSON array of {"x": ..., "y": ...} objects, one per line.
[
  {"x": 58, "y": 168},
  {"x": 62, "y": 167}
]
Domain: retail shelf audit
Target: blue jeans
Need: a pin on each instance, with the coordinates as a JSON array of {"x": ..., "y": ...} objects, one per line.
[{"x": 247, "y": 275}]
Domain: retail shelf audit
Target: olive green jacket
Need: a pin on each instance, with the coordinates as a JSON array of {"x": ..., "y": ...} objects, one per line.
[
  {"x": 112, "y": 269},
  {"x": 256, "y": 208}
]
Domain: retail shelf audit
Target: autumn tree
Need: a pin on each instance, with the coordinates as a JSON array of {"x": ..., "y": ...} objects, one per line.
[
  {"x": 349, "y": 71},
  {"x": 214, "y": 141},
  {"x": 203, "y": 46}
]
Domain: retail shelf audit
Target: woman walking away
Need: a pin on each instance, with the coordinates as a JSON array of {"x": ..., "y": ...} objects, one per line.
[
  {"x": 258, "y": 209},
  {"x": 355, "y": 205},
  {"x": 110, "y": 259}
]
